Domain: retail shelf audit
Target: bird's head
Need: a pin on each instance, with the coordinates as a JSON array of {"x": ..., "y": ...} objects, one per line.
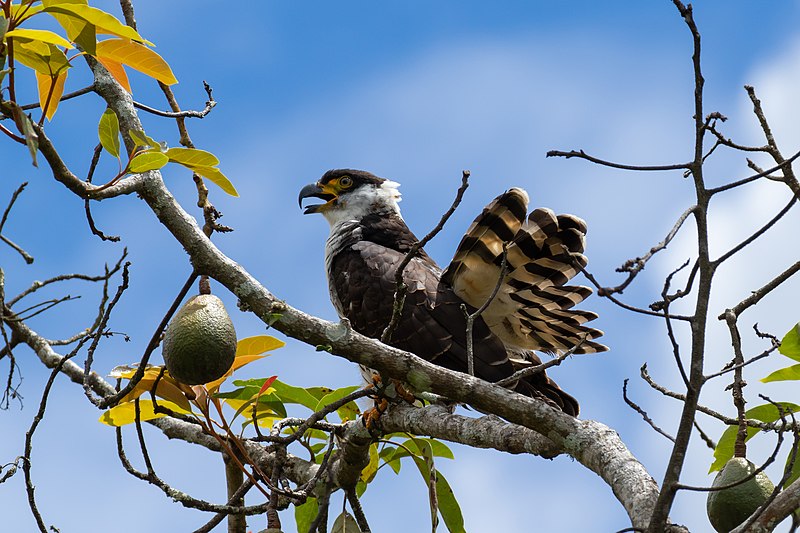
[{"x": 351, "y": 195}]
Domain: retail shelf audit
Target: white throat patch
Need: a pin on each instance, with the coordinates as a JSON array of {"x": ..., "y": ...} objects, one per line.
[{"x": 367, "y": 200}]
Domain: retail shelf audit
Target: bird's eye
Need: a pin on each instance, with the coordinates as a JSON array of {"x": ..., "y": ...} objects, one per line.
[{"x": 345, "y": 181}]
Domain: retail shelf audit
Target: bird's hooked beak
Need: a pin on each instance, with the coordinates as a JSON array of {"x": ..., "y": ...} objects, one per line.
[{"x": 314, "y": 190}]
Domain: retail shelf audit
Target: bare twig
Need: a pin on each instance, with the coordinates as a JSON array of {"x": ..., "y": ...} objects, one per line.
[
  {"x": 400, "y": 286},
  {"x": 113, "y": 399},
  {"x": 501, "y": 276},
  {"x": 531, "y": 370},
  {"x": 642, "y": 412},
  {"x": 634, "y": 266},
  {"x": 583, "y": 155}
]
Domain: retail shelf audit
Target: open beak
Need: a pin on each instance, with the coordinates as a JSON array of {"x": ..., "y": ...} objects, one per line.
[{"x": 313, "y": 190}]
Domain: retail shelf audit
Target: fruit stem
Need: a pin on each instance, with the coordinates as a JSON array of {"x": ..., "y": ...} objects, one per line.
[{"x": 204, "y": 285}]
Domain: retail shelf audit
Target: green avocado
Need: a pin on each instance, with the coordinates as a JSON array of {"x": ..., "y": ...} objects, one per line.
[
  {"x": 200, "y": 342},
  {"x": 729, "y": 508}
]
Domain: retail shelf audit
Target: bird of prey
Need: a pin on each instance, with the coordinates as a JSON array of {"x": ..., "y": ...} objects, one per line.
[{"x": 532, "y": 310}]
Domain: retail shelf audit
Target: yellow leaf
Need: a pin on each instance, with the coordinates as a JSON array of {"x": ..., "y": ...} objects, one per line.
[
  {"x": 117, "y": 71},
  {"x": 44, "y": 36},
  {"x": 148, "y": 161},
  {"x": 257, "y": 345},
  {"x": 105, "y": 23},
  {"x": 51, "y": 88},
  {"x": 216, "y": 176},
  {"x": 138, "y": 57},
  {"x": 192, "y": 157},
  {"x": 125, "y": 413},
  {"x": 239, "y": 362},
  {"x": 42, "y": 57},
  {"x": 21, "y": 13}
]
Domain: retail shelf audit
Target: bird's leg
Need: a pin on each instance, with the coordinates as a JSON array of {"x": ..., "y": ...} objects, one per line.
[{"x": 393, "y": 392}]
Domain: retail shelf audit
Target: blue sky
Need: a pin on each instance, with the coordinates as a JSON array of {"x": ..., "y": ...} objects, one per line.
[{"x": 415, "y": 92}]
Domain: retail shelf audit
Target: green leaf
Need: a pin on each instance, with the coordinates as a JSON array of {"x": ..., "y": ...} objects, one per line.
[
  {"x": 215, "y": 176},
  {"x": 305, "y": 514},
  {"x": 296, "y": 395},
  {"x": 765, "y": 413},
  {"x": 795, "y": 474},
  {"x": 336, "y": 395},
  {"x": 790, "y": 373},
  {"x": 790, "y": 345},
  {"x": 104, "y": 22},
  {"x": 192, "y": 157},
  {"x": 448, "y": 506},
  {"x": 141, "y": 139},
  {"x": 108, "y": 131},
  {"x": 148, "y": 161},
  {"x": 361, "y": 488},
  {"x": 388, "y": 456},
  {"x": 3, "y": 26},
  {"x": 44, "y": 36},
  {"x": 345, "y": 523}
]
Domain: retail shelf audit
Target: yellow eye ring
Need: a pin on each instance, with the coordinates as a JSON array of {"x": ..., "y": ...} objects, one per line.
[{"x": 345, "y": 181}]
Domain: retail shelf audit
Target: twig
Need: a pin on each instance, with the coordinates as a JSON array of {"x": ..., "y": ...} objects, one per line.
[
  {"x": 642, "y": 412},
  {"x": 756, "y": 234},
  {"x": 478, "y": 312},
  {"x": 68, "y": 96},
  {"x": 583, "y": 155},
  {"x": 25, "y": 255},
  {"x": 601, "y": 292},
  {"x": 757, "y": 295},
  {"x": 358, "y": 511},
  {"x": 708, "y": 440},
  {"x": 112, "y": 400},
  {"x": 531, "y": 370},
  {"x": 210, "y": 104},
  {"x": 634, "y": 266},
  {"x": 99, "y": 333},
  {"x": 87, "y": 203},
  {"x": 26, "y": 461},
  {"x": 754, "y": 177},
  {"x": 740, "y": 446},
  {"x": 400, "y": 286}
]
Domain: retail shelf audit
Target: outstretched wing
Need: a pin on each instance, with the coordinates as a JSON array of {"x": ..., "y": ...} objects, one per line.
[{"x": 533, "y": 309}]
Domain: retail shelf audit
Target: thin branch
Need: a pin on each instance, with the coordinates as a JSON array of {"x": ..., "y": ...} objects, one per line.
[
  {"x": 210, "y": 104},
  {"x": 755, "y": 235},
  {"x": 68, "y": 96},
  {"x": 478, "y": 312},
  {"x": 757, "y": 295},
  {"x": 634, "y": 266},
  {"x": 87, "y": 208},
  {"x": 25, "y": 255},
  {"x": 113, "y": 399},
  {"x": 766, "y": 173},
  {"x": 400, "y": 286},
  {"x": 583, "y": 155},
  {"x": 642, "y": 412},
  {"x": 531, "y": 370}
]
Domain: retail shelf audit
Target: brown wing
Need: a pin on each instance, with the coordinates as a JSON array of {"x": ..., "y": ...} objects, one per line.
[{"x": 533, "y": 309}]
